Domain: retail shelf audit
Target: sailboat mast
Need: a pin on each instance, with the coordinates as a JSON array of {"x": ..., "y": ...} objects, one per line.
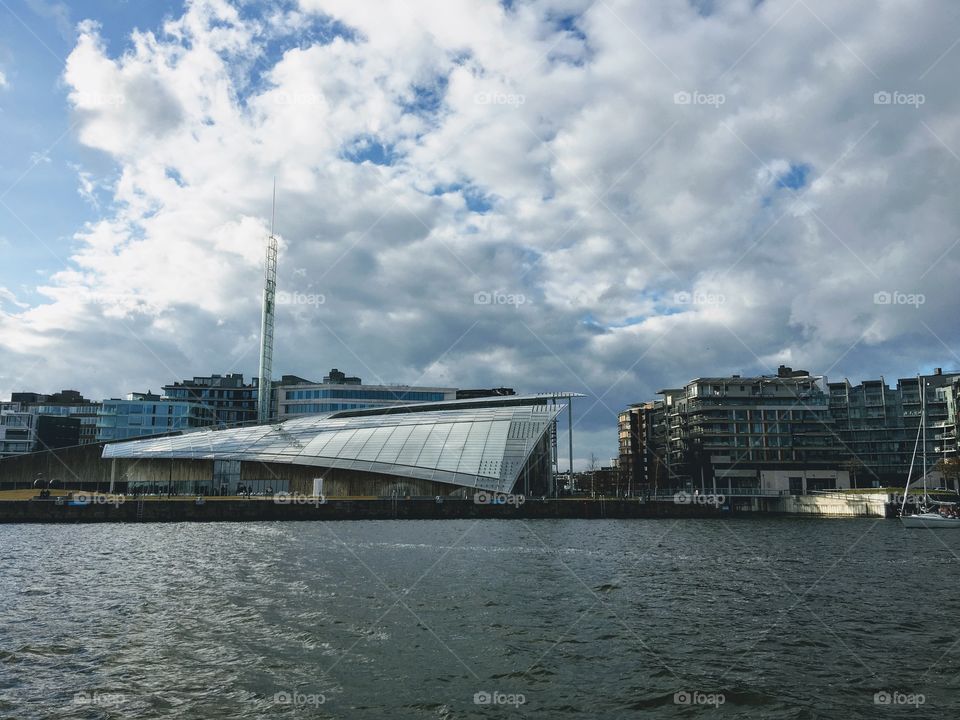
[
  {"x": 913, "y": 459},
  {"x": 923, "y": 420}
]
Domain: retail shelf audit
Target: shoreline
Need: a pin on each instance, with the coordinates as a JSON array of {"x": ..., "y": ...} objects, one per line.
[{"x": 104, "y": 508}]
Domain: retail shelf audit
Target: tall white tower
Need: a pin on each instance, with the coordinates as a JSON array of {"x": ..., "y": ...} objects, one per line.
[{"x": 266, "y": 322}]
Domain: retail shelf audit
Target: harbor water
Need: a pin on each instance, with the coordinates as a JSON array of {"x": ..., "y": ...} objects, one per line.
[{"x": 736, "y": 617}]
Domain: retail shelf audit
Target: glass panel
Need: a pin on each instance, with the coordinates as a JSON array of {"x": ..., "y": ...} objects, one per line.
[{"x": 433, "y": 446}]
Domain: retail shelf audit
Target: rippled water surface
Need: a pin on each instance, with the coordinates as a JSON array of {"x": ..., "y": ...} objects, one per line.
[{"x": 776, "y": 618}]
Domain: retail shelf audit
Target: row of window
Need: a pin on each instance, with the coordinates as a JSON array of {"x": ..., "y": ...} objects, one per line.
[
  {"x": 309, "y": 408},
  {"x": 397, "y": 395},
  {"x": 150, "y": 409},
  {"x": 766, "y": 415},
  {"x": 756, "y": 428},
  {"x": 233, "y": 395}
]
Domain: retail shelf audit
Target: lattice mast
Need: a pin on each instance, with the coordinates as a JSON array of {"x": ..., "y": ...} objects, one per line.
[{"x": 267, "y": 320}]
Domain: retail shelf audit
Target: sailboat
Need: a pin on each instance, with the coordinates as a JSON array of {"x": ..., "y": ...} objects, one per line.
[{"x": 928, "y": 516}]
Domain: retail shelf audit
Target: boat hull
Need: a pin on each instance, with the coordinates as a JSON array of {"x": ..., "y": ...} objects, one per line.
[{"x": 930, "y": 520}]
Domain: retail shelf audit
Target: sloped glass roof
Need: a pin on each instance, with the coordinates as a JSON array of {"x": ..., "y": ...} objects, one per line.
[{"x": 478, "y": 447}]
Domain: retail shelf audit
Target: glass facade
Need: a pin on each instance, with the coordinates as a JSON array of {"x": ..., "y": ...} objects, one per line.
[
  {"x": 488, "y": 448},
  {"x": 365, "y": 394},
  {"x": 310, "y": 399},
  {"x": 124, "y": 419}
]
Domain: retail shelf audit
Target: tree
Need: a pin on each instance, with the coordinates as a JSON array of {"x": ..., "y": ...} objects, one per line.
[
  {"x": 949, "y": 468},
  {"x": 853, "y": 466}
]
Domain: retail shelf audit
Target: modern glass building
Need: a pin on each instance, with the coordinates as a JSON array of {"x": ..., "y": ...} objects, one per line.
[
  {"x": 143, "y": 414},
  {"x": 338, "y": 392},
  {"x": 503, "y": 444}
]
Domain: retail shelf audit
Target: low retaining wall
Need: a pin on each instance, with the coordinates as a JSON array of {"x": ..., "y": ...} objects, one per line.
[
  {"x": 833, "y": 505},
  {"x": 839, "y": 506},
  {"x": 187, "y": 510}
]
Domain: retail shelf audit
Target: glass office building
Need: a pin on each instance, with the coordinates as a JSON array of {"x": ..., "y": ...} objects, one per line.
[
  {"x": 335, "y": 395},
  {"x": 143, "y": 415}
]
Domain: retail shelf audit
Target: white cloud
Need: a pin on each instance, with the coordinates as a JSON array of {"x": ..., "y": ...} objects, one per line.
[{"x": 608, "y": 197}]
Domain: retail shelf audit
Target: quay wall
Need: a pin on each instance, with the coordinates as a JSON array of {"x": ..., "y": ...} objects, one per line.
[{"x": 113, "y": 509}]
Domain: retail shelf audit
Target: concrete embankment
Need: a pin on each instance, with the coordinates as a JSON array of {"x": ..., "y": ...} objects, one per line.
[
  {"x": 118, "y": 508},
  {"x": 878, "y": 505},
  {"x": 129, "y": 509}
]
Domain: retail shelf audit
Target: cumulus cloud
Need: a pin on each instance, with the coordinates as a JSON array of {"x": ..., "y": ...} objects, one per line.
[{"x": 672, "y": 190}]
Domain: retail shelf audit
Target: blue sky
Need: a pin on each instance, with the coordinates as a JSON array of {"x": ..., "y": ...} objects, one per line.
[
  {"x": 533, "y": 151},
  {"x": 39, "y": 150}
]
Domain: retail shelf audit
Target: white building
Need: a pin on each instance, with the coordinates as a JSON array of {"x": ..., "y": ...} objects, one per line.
[{"x": 18, "y": 430}]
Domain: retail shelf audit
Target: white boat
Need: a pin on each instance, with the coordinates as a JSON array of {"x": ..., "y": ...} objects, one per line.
[
  {"x": 932, "y": 520},
  {"x": 927, "y": 517}
]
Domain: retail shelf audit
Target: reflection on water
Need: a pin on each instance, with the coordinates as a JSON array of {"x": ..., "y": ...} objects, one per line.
[{"x": 776, "y": 618}]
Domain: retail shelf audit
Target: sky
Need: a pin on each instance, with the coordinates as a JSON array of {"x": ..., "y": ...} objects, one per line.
[{"x": 603, "y": 197}]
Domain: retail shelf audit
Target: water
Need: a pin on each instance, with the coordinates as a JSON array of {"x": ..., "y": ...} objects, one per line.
[{"x": 778, "y": 618}]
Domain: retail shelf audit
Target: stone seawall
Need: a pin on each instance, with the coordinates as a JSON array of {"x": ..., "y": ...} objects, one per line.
[{"x": 254, "y": 509}]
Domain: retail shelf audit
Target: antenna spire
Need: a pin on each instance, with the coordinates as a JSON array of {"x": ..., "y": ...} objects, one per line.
[
  {"x": 273, "y": 212},
  {"x": 264, "y": 396}
]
